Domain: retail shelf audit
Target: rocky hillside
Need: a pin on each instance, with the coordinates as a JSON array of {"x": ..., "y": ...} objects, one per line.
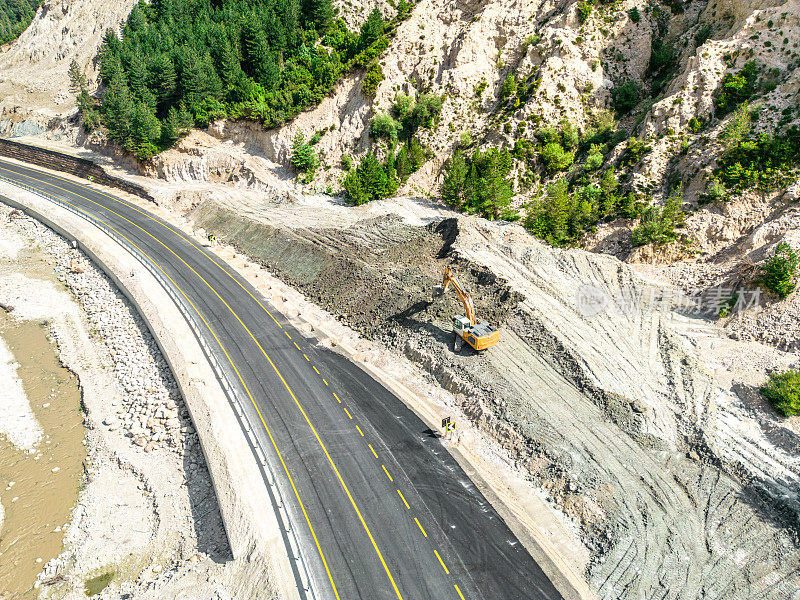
[{"x": 641, "y": 422}]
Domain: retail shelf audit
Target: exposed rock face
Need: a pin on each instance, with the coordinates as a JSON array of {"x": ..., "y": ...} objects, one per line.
[{"x": 34, "y": 85}]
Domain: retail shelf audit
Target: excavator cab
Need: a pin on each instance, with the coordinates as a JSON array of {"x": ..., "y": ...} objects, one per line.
[{"x": 467, "y": 328}]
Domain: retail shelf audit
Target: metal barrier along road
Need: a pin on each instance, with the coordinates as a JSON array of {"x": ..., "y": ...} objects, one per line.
[{"x": 234, "y": 398}]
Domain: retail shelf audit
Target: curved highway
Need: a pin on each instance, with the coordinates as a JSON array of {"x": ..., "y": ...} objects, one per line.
[{"x": 382, "y": 510}]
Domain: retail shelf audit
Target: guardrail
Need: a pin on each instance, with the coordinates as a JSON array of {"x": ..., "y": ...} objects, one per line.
[{"x": 188, "y": 312}]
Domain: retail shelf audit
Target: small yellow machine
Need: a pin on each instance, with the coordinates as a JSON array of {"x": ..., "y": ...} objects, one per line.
[{"x": 467, "y": 328}]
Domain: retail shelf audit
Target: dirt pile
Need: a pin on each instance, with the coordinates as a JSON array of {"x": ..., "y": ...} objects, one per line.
[{"x": 681, "y": 481}]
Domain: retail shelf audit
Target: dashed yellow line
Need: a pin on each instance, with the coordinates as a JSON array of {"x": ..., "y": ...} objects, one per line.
[
  {"x": 298, "y": 347},
  {"x": 403, "y": 498},
  {"x": 441, "y": 562},
  {"x": 337, "y": 398},
  {"x": 420, "y": 527},
  {"x": 387, "y": 473},
  {"x": 286, "y": 385},
  {"x": 359, "y": 431},
  {"x": 191, "y": 242},
  {"x": 324, "y": 381},
  {"x": 317, "y": 370},
  {"x": 233, "y": 365},
  {"x": 349, "y": 416}
]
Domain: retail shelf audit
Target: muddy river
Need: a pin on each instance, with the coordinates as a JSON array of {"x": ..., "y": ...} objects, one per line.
[{"x": 38, "y": 491}]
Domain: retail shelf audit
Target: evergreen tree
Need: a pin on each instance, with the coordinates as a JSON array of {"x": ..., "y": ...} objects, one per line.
[
  {"x": 455, "y": 175},
  {"x": 372, "y": 29}
]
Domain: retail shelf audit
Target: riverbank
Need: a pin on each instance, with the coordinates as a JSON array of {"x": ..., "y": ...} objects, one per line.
[{"x": 146, "y": 523}]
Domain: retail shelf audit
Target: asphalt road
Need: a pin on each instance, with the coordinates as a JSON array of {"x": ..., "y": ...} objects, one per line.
[{"x": 382, "y": 510}]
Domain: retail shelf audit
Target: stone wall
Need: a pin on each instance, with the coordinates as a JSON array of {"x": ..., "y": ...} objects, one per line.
[{"x": 68, "y": 164}]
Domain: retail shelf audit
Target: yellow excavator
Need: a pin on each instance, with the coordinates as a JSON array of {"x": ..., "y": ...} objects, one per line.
[{"x": 478, "y": 334}]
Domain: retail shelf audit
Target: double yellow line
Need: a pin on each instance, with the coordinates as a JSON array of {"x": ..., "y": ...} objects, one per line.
[{"x": 244, "y": 385}]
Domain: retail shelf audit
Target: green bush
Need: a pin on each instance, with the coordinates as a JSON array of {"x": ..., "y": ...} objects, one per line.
[
  {"x": 555, "y": 158},
  {"x": 626, "y": 96},
  {"x": 595, "y": 159},
  {"x": 634, "y": 15},
  {"x": 509, "y": 87},
  {"x": 372, "y": 79},
  {"x": 697, "y": 124},
  {"x": 369, "y": 181},
  {"x": 736, "y": 88},
  {"x": 783, "y": 392},
  {"x": 303, "y": 157},
  {"x": 780, "y": 271},
  {"x": 766, "y": 162},
  {"x": 657, "y": 225},
  {"x": 584, "y": 10},
  {"x": 702, "y": 35},
  {"x": 479, "y": 183},
  {"x": 562, "y": 215},
  {"x": 635, "y": 151},
  {"x": 383, "y": 126}
]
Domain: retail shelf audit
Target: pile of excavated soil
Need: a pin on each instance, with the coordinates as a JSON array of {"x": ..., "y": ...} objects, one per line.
[
  {"x": 680, "y": 478},
  {"x": 396, "y": 264}
]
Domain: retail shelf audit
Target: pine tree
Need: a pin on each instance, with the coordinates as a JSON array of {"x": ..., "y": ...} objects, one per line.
[
  {"x": 372, "y": 29},
  {"x": 455, "y": 175},
  {"x": 118, "y": 110}
]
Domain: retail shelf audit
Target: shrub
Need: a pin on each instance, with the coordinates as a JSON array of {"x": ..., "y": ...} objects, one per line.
[
  {"x": 369, "y": 181},
  {"x": 383, "y": 126},
  {"x": 479, "y": 183},
  {"x": 584, "y": 10},
  {"x": 509, "y": 87},
  {"x": 702, "y": 35},
  {"x": 658, "y": 223},
  {"x": 634, "y": 14},
  {"x": 555, "y": 158},
  {"x": 780, "y": 270},
  {"x": 736, "y": 88},
  {"x": 626, "y": 96},
  {"x": 372, "y": 79},
  {"x": 634, "y": 151},
  {"x": 783, "y": 392},
  {"x": 303, "y": 158},
  {"x": 766, "y": 161},
  {"x": 595, "y": 159},
  {"x": 697, "y": 124}
]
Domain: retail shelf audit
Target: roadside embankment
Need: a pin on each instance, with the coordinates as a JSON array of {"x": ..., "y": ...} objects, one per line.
[{"x": 150, "y": 438}]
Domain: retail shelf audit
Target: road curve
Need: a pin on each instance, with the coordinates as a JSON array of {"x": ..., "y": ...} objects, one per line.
[{"x": 383, "y": 512}]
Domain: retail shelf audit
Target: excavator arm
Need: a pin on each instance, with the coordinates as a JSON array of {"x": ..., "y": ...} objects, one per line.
[{"x": 466, "y": 299}]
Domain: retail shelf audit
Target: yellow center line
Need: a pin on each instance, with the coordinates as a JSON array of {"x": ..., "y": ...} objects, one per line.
[
  {"x": 337, "y": 398},
  {"x": 296, "y": 346},
  {"x": 460, "y": 595},
  {"x": 287, "y": 334},
  {"x": 387, "y": 473},
  {"x": 317, "y": 370},
  {"x": 359, "y": 431},
  {"x": 420, "y": 527},
  {"x": 274, "y": 367},
  {"x": 307, "y": 359},
  {"x": 403, "y": 498},
  {"x": 441, "y": 562},
  {"x": 238, "y": 374},
  {"x": 349, "y": 416},
  {"x": 373, "y": 450},
  {"x": 323, "y": 379}
]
